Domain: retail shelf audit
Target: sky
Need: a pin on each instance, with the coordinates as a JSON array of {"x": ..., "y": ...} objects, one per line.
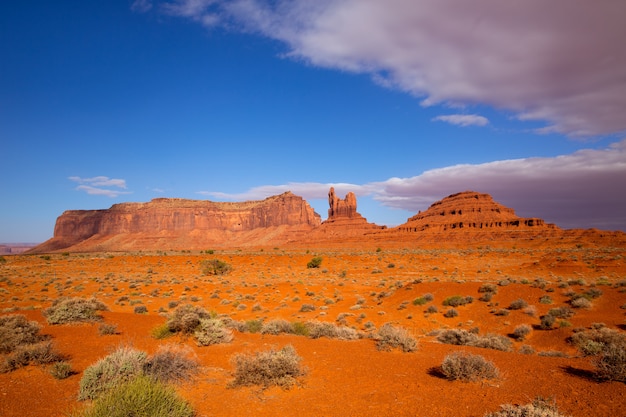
[{"x": 402, "y": 102}]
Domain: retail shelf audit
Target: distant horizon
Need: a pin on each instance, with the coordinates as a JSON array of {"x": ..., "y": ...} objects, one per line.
[{"x": 402, "y": 102}]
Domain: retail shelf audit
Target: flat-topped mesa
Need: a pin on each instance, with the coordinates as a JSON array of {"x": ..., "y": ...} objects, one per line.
[
  {"x": 190, "y": 222},
  {"x": 470, "y": 210}
]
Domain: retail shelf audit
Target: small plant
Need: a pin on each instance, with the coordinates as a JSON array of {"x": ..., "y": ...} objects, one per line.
[
  {"x": 467, "y": 367},
  {"x": 186, "y": 318},
  {"x": 142, "y": 397},
  {"x": 61, "y": 370},
  {"x": 518, "y": 304},
  {"x": 120, "y": 366},
  {"x": 522, "y": 331},
  {"x": 162, "y": 332},
  {"x": 317, "y": 329},
  {"x": 276, "y": 327},
  {"x": 390, "y": 337},
  {"x": 71, "y": 310},
  {"x": 215, "y": 267},
  {"x": 457, "y": 300},
  {"x": 171, "y": 363},
  {"x": 212, "y": 332},
  {"x": 316, "y": 262},
  {"x": 16, "y": 330},
  {"x": 307, "y": 308},
  {"x": 463, "y": 337},
  {"x": 107, "y": 329},
  {"x": 451, "y": 313},
  {"x": 545, "y": 299},
  {"x": 268, "y": 368},
  {"x": 141, "y": 309},
  {"x": 539, "y": 408},
  {"x": 41, "y": 353}
]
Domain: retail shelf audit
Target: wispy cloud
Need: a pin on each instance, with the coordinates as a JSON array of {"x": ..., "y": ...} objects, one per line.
[
  {"x": 463, "y": 119},
  {"x": 528, "y": 57},
  {"x": 141, "y": 6},
  {"x": 579, "y": 190},
  {"x": 101, "y": 186}
]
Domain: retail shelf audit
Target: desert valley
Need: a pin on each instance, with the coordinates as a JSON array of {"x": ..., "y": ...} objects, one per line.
[{"x": 462, "y": 310}]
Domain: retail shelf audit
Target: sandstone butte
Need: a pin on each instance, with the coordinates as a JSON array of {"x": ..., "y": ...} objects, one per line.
[{"x": 174, "y": 224}]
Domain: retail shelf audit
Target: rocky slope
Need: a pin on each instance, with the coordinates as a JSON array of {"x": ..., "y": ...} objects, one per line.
[{"x": 167, "y": 223}]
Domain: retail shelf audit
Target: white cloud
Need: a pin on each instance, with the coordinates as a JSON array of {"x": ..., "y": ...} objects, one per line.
[
  {"x": 580, "y": 190},
  {"x": 94, "y": 185},
  {"x": 561, "y": 62},
  {"x": 141, "y": 6},
  {"x": 463, "y": 119}
]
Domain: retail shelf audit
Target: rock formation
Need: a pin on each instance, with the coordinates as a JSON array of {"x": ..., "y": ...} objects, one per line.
[
  {"x": 471, "y": 211},
  {"x": 188, "y": 222},
  {"x": 339, "y": 208}
]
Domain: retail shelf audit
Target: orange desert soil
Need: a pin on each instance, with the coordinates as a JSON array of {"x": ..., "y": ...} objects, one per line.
[{"x": 364, "y": 289}]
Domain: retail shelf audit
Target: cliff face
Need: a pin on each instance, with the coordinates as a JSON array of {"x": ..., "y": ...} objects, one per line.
[
  {"x": 470, "y": 210},
  {"x": 179, "y": 217}
]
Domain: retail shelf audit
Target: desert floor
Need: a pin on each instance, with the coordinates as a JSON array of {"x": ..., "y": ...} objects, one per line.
[{"x": 363, "y": 289}]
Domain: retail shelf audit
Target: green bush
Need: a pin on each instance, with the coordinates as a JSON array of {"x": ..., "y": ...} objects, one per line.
[
  {"x": 457, "y": 300},
  {"x": 268, "y": 368},
  {"x": 61, "y": 370},
  {"x": 107, "y": 329},
  {"x": 316, "y": 262},
  {"x": 16, "y": 330},
  {"x": 389, "y": 337},
  {"x": 467, "y": 367},
  {"x": 463, "y": 337},
  {"x": 215, "y": 267},
  {"x": 120, "y": 366},
  {"x": 71, "y": 310},
  {"x": 139, "y": 397}
]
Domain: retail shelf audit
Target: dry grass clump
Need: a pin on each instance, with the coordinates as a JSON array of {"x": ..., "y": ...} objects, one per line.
[
  {"x": 215, "y": 267},
  {"x": 463, "y": 337},
  {"x": 61, "y": 370},
  {"x": 457, "y": 300},
  {"x": 609, "y": 348},
  {"x": 518, "y": 304},
  {"x": 538, "y": 408},
  {"x": 268, "y": 368},
  {"x": 389, "y": 337},
  {"x": 168, "y": 364},
  {"x": 171, "y": 363},
  {"x": 16, "y": 330},
  {"x": 466, "y": 367},
  {"x": 276, "y": 327},
  {"x": 186, "y": 318},
  {"x": 212, "y": 332},
  {"x": 522, "y": 331},
  {"x": 72, "y": 310},
  {"x": 41, "y": 353},
  {"x": 139, "y": 397},
  {"x": 317, "y": 329}
]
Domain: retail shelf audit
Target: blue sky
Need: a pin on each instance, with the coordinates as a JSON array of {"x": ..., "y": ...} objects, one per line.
[{"x": 401, "y": 101}]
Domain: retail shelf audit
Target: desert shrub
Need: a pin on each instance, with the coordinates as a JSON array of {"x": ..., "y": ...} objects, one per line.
[
  {"x": 486, "y": 297},
  {"x": 212, "y": 332},
  {"x": 71, "y": 310},
  {"x": 545, "y": 299},
  {"x": 451, "y": 313},
  {"x": 162, "y": 331},
  {"x": 2, "y": 259},
  {"x": 277, "y": 326},
  {"x": 526, "y": 350},
  {"x": 503, "y": 312},
  {"x": 139, "y": 397},
  {"x": 561, "y": 312},
  {"x": 493, "y": 341},
  {"x": 215, "y": 267},
  {"x": 41, "y": 353},
  {"x": 253, "y": 326},
  {"x": 307, "y": 308},
  {"x": 463, "y": 337},
  {"x": 592, "y": 293},
  {"x": 467, "y": 367},
  {"x": 16, "y": 330},
  {"x": 547, "y": 322},
  {"x": 419, "y": 301},
  {"x": 611, "y": 363},
  {"x": 141, "y": 309},
  {"x": 538, "y": 408},
  {"x": 171, "y": 363},
  {"x": 186, "y": 318},
  {"x": 520, "y": 332},
  {"x": 457, "y": 300},
  {"x": 431, "y": 310},
  {"x": 518, "y": 304},
  {"x": 268, "y": 368},
  {"x": 315, "y": 262},
  {"x": 61, "y": 370},
  {"x": 457, "y": 337},
  {"x": 592, "y": 342},
  {"x": 389, "y": 337},
  {"x": 300, "y": 328},
  {"x": 107, "y": 329},
  {"x": 580, "y": 302},
  {"x": 317, "y": 329},
  {"x": 120, "y": 366},
  {"x": 428, "y": 297},
  {"x": 488, "y": 288}
]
